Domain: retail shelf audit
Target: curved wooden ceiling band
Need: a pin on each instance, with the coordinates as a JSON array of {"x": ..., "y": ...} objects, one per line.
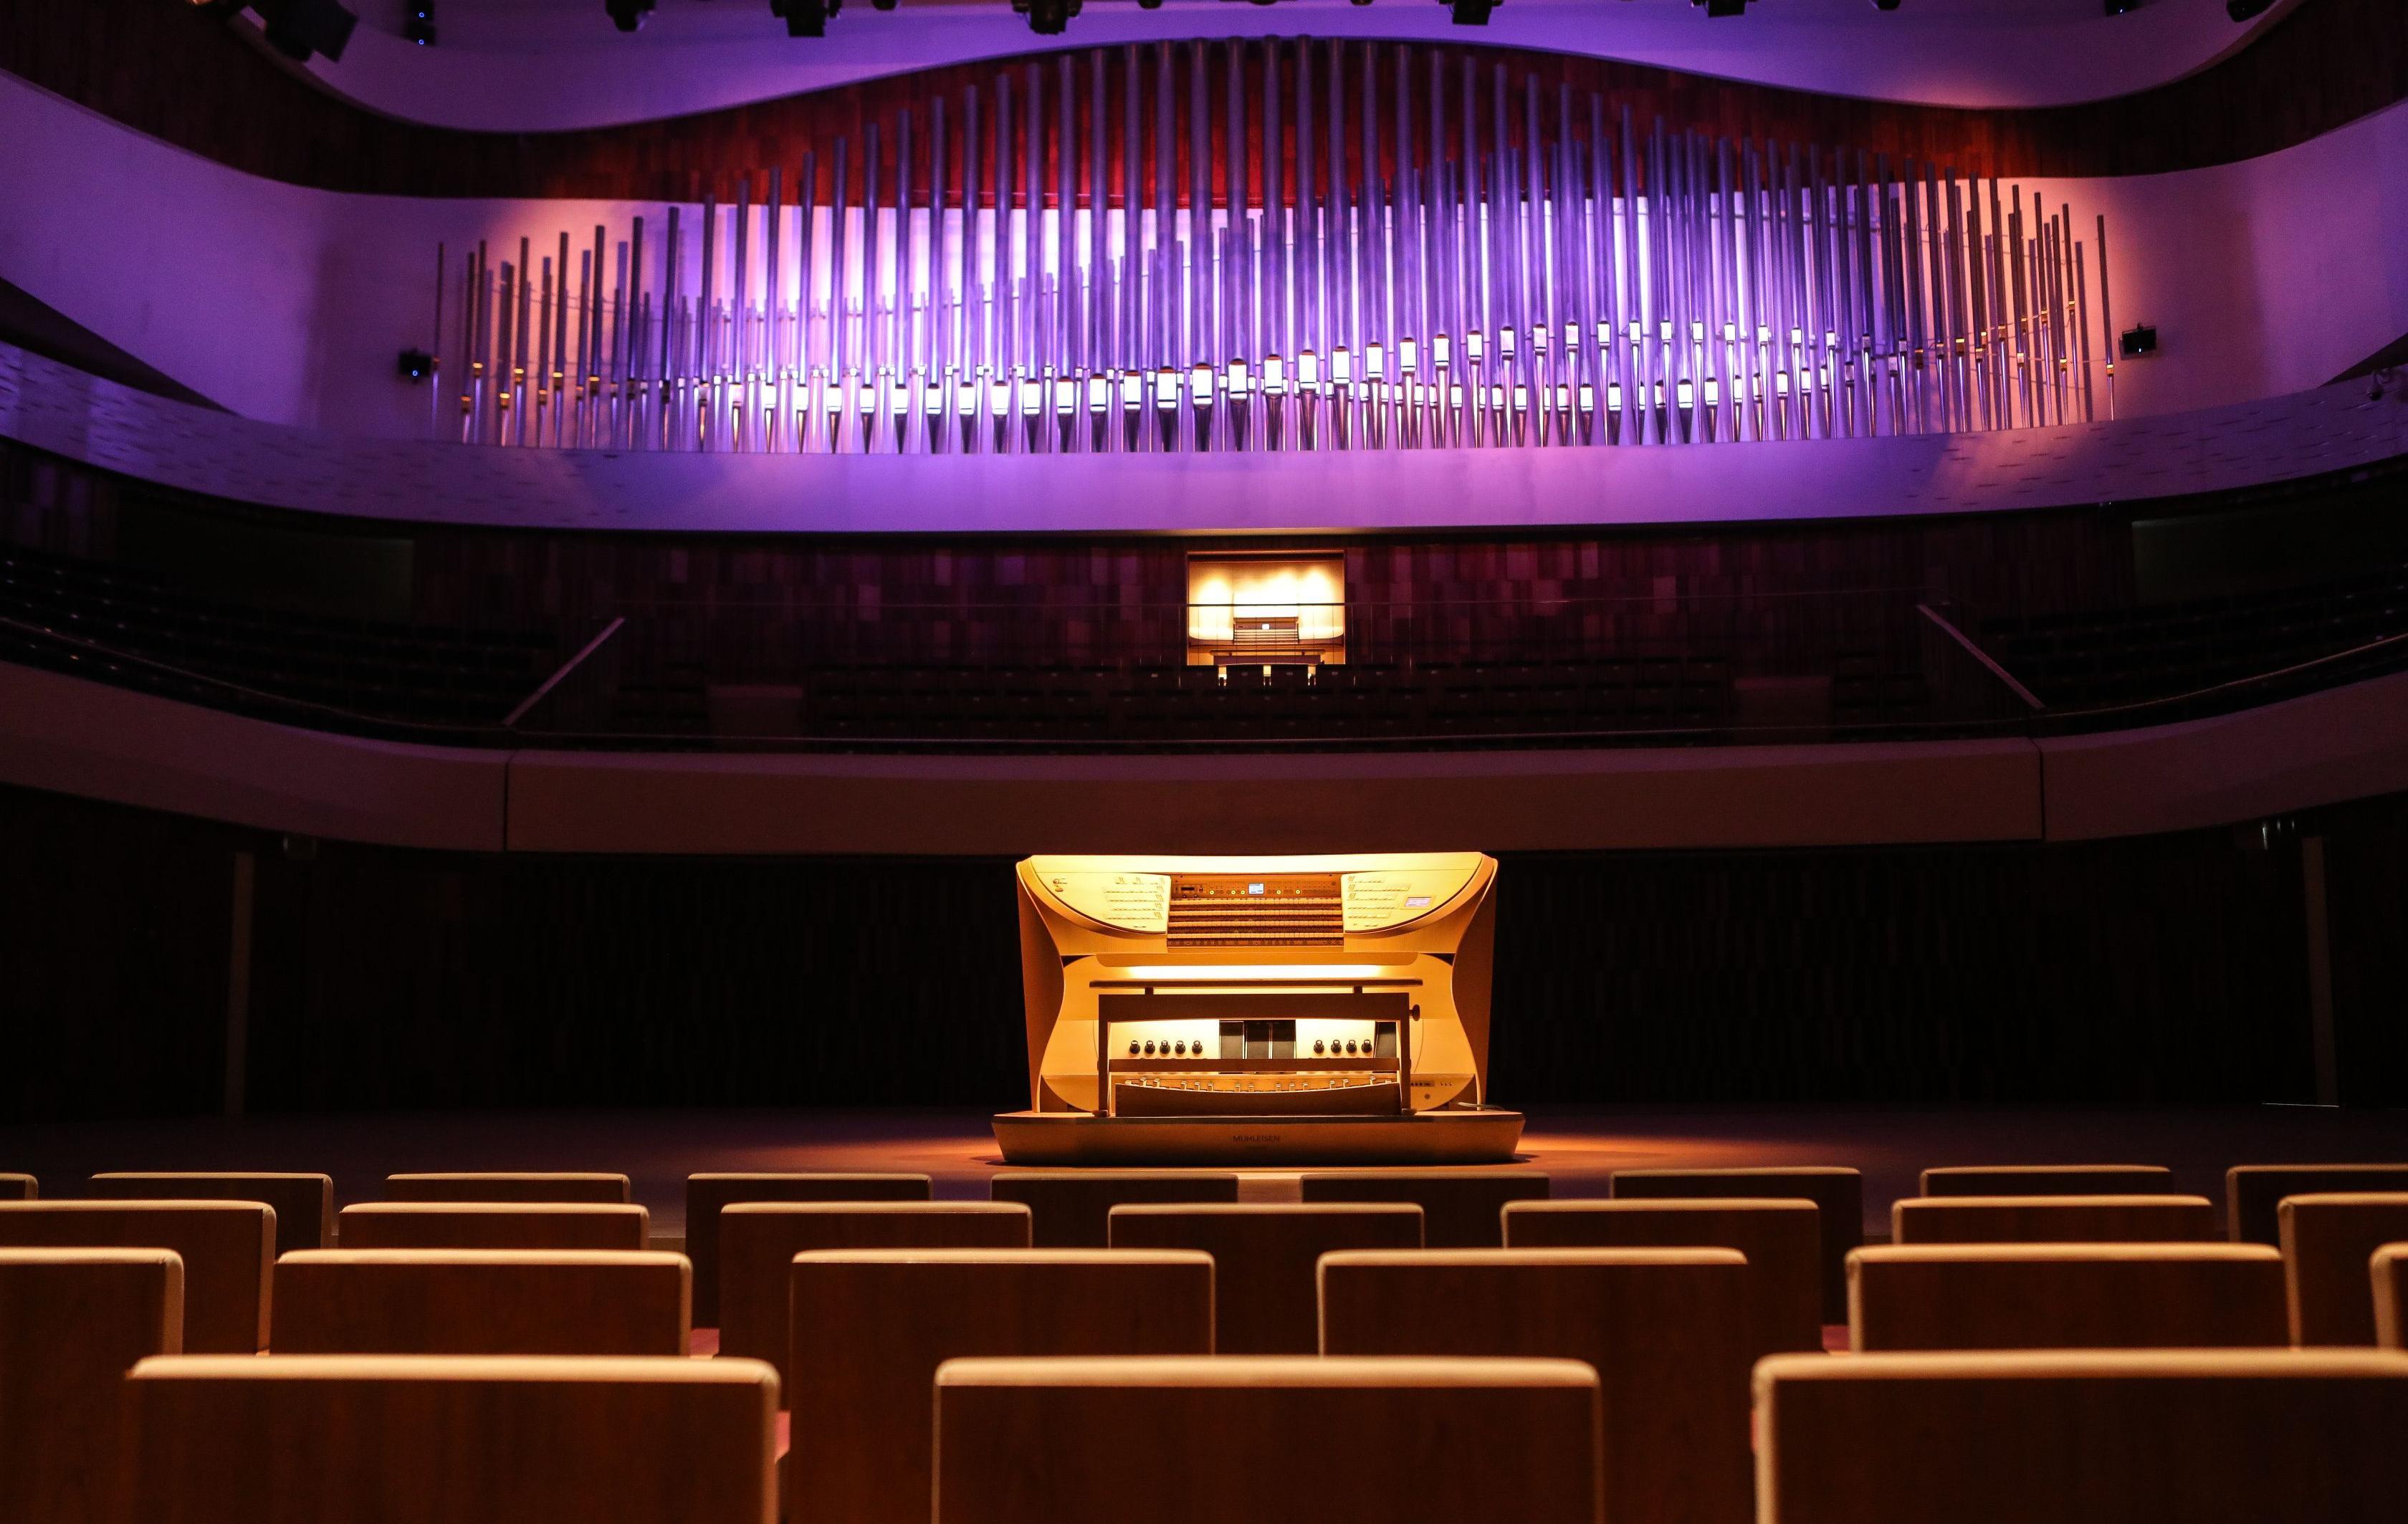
[{"x": 157, "y": 68}]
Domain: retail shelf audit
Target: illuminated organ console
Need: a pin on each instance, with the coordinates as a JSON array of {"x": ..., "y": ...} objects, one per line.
[{"x": 1284, "y": 1009}]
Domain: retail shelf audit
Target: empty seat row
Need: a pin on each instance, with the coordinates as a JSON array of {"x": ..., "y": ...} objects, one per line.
[{"x": 1121, "y": 1398}]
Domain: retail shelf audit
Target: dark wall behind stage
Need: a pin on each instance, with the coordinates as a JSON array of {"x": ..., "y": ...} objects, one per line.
[{"x": 2166, "y": 970}]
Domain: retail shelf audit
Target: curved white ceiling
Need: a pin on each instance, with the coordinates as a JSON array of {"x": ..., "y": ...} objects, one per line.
[{"x": 532, "y": 65}]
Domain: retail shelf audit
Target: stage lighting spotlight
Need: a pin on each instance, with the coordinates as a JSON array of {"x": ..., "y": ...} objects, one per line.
[
  {"x": 884, "y": 5},
  {"x": 1885, "y": 5},
  {"x": 2117, "y": 8},
  {"x": 627, "y": 15},
  {"x": 1721, "y": 7},
  {"x": 1048, "y": 18},
  {"x": 806, "y": 18},
  {"x": 2246, "y": 10},
  {"x": 1149, "y": 4},
  {"x": 299, "y": 28},
  {"x": 1472, "y": 12},
  {"x": 414, "y": 364},
  {"x": 418, "y": 27}
]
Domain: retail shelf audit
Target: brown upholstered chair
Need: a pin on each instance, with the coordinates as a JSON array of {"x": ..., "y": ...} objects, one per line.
[
  {"x": 1837, "y": 1194},
  {"x": 758, "y": 1242},
  {"x": 508, "y": 1186},
  {"x": 71, "y": 1322},
  {"x": 2391, "y": 1267},
  {"x": 1666, "y": 1330},
  {"x": 1267, "y": 1440},
  {"x": 228, "y": 1249},
  {"x": 20, "y": 1188},
  {"x": 871, "y": 1326},
  {"x": 304, "y": 1203},
  {"x": 1460, "y": 1208},
  {"x": 2065, "y": 1296},
  {"x": 303, "y": 1439},
  {"x": 2052, "y": 1219},
  {"x": 2082, "y": 1437},
  {"x": 1073, "y": 1207},
  {"x": 2047, "y": 1181},
  {"x": 482, "y": 1301},
  {"x": 1264, "y": 1258},
  {"x": 1780, "y": 1239},
  {"x": 2328, "y": 1244},
  {"x": 707, "y": 1195},
  {"x": 2251, "y": 1192},
  {"x": 493, "y": 1225}
]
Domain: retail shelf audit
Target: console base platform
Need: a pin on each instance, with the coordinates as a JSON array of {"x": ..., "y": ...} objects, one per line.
[{"x": 1469, "y": 1136}]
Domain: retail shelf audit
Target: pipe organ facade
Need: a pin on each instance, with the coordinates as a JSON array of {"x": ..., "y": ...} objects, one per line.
[{"x": 1286, "y": 245}]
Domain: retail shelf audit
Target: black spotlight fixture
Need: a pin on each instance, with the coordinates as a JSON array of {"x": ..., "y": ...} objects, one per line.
[
  {"x": 2246, "y": 10},
  {"x": 2117, "y": 8},
  {"x": 1885, "y": 5},
  {"x": 414, "y": 365},
  {"x": 1048, "y": 18},
  {"x": 2137, "y": 342},
  {"x": 300, "y": 28},
  {"x": 1472, "y": 12},
  {"x": 1721, "y": 7},
  {"x": 806, "y": 18},
  {"x": 419, "y": 25},
  {"x": 628, "y": 15},
  {"x": 1149, "y": 4},
  {"x": 884, "y": 5}
]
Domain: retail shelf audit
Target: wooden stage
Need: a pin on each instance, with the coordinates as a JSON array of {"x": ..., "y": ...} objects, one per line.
[{"x": 657, "y": 1149}]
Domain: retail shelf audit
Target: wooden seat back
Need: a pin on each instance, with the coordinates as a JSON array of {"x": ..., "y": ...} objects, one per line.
[
  {"x": 2065, "y": 1296},
  {"x": 482, "y": 1301},
  {"x": 228, "y": 1250},
  {"x": 72, "y": 1320},
  {"x": 1265, "y": 1260}
]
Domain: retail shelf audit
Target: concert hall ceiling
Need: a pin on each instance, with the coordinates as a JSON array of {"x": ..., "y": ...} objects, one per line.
[
  {"x": 162, "y": 70},
  {"x": 701, "y": 54}
]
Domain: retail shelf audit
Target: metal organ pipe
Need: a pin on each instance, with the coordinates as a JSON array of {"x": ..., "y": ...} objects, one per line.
[{"x": 1451, "y": 259}]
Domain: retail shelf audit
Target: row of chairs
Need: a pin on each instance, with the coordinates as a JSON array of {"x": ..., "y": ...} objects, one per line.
[
  {"x": 1065, "y": 1379},
  {"x": 1796, "y": 1227}
]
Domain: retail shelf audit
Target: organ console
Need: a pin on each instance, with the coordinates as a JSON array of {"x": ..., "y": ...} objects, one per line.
[{"x": 1277, "y": 1009}]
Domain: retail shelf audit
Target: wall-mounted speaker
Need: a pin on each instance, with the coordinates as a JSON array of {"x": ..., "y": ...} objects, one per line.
[{"x": 2138, "y": 342}]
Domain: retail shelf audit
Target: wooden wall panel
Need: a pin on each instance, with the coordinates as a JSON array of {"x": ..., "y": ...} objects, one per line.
[{"x": 153, "y": 65}]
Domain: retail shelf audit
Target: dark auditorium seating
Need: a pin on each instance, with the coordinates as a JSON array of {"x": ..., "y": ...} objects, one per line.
[
  {"x": 308, "y": 1439},
  {"x": 304, "y": 1203},
  {"x": 758, "y": 1242},
  {"x": 1268, "y": 1440},
  {"x": 228, "y": 1250},
  {"x": 1665, "y": 1329},
  {"x": 118, "y": 625},
  {"x": 1073, "y": 1207},
  {"x": 2082, "y": 1437},
  {"x": 1461, "y": 1208},
  {"x": 508, "y": 1186},
  {"x": 2047, "y": 1181},
  {"x": 71, "y": 1322},
  {"x": 1778, "y": 1236},
  {"x": 2065, "y": 1296},
  {"x": 1837, "y": 1192},
  {"x": 871, "y": 1326},
  {"x": 482, "y": 1301},
  {"x": 493, "y": 1225},
  {"x": 2051, "y": 1219},
  {"x": 708, "y": 1194},
  {"x": 1264, "y": 1258},
  {"x": 2329, "y": 1239},
  {"x": 2251, "y": 1192}
]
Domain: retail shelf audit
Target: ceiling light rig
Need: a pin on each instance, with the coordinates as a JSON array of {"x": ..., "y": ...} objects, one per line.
[
  {"x": 807, "y": 18},
  {"x": 628, "y": 15},
  {"x": 1048, "y": 18}
]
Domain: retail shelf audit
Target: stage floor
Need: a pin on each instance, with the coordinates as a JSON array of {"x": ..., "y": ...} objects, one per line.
[{"x": 657, "y": 1149}]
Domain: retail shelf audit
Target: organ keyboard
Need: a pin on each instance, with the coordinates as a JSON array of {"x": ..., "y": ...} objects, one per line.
[{"x": 1177, "y": 1005}]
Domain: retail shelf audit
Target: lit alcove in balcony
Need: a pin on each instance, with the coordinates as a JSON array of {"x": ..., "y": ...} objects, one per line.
[{"x": 1274, "y": 610}]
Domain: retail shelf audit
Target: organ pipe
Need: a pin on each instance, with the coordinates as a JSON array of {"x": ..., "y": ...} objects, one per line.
[{"x": 1366, "y": 246}]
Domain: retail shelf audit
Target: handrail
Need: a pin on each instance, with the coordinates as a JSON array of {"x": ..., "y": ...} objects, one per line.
[
  {"x": 434, "y": 733},
  {"x": 510, "y": 721}
]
